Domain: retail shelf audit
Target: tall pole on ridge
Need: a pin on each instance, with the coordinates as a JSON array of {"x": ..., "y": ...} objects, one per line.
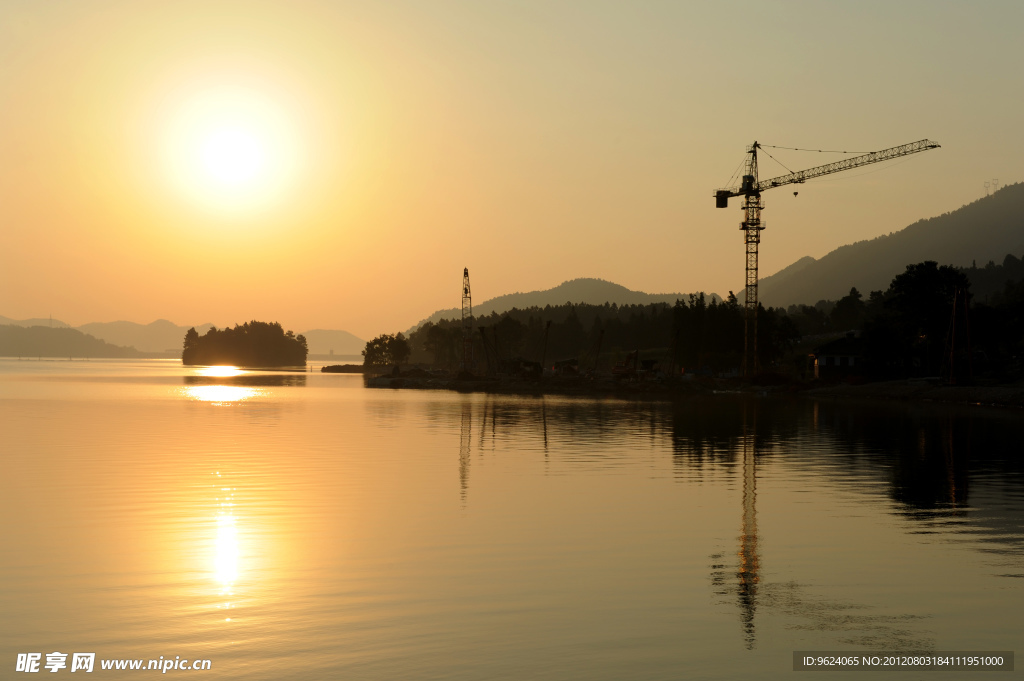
[{"x": 467, "y": 323}]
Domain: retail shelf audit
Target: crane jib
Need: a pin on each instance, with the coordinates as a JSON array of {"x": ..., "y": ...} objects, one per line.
[{"x": 722, "y": 195}]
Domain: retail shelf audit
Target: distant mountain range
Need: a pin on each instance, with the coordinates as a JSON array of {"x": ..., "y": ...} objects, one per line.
[
  {"x": 158, "y": 336},
  {"x": 35, "y": 322},
  {"x": 167, "y": 337},
  {"x": 985, "y": 230},
  {"x": 331, "y": 341},
  {"x": 585, "y": 290},
  {"x": 57, "y": 341},
  {"x": 982, "y": 231}
]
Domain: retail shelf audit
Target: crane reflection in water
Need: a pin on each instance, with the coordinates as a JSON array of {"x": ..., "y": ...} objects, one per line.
[
  {"x": 488, "y": 418},
  {"x": 744, "y": 582},
  {"x": 921, "y": 466},
  {"x": 748, "y": 573},
  {"x": 923, "y": 470},
  {"x": 465, "y": 437},
  {"x": 748, "y": 568}
]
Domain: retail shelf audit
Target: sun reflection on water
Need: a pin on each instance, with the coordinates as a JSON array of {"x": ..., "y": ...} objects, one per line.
[
  {"x": 226, "y": 549},
  {"x": 220, "y": 371},
  {"x": 220, "y": 394}
]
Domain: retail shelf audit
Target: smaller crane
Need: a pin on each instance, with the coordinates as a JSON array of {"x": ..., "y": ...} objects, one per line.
[
  {"x": 467, "y": 363},
  {"x": 750, "y": 188}
]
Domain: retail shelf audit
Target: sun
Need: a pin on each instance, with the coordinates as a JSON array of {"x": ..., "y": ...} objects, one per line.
[
  {"x": 233, "y": 157},
  {"x": 231, "y": 149}
]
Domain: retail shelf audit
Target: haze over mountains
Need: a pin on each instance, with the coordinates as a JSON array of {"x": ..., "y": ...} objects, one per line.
[
  {"x": 57, "y": 341},
  {"x": 158, "y": 336},
  {"x": 987, "y": 229},
  {"x": 584, "y": 290},
  {"x": 163, "y": 336},
  {"x": 327, "y": 341}
]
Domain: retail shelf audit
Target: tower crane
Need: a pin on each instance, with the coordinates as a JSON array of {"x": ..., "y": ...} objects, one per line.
[
  {"x": 750, "y": 189},
  {"x": 467, "y": 363}
]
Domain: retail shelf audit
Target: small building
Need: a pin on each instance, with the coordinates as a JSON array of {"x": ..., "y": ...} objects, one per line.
[
  {"x": 840, "y": 359},
  {"x": 567, "y": 367}
]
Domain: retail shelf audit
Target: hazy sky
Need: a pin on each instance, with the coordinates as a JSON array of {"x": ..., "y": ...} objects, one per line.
[{"x": 336, "y": 165}]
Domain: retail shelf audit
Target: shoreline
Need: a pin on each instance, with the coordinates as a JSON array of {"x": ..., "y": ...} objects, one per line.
[
  {"x": 904, "y": 390},
  {"x": 554, "y": 385},
  {"x": 1010, "y": 395}
]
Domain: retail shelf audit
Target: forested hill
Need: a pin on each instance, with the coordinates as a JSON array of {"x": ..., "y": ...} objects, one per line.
[
  {"x": 586, "y": 290},
  {"x": 982, "y": 231},
  {"x": 44, "y": 341}
]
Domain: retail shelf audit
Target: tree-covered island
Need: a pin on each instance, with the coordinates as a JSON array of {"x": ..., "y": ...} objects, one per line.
[{"x": 253, "y": 344}]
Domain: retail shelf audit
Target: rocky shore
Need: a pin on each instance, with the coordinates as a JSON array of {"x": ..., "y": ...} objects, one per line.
[
  {"x": 912, "y": 390},
  {"x": 922, "y": 390},
  {"x": 549, "y": 385}
]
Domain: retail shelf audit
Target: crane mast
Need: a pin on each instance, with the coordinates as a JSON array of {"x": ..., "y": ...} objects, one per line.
[
  {"x": 750, "y": 189},
  {"x": 467, "y": 363}
]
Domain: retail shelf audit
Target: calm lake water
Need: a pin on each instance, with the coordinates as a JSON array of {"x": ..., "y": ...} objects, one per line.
[{"x": 300, "y": 526}]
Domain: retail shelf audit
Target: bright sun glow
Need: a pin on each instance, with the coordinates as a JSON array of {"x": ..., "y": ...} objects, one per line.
[
  {"x": 230, "y": 149},
  {"x": 233, "y": 157}
]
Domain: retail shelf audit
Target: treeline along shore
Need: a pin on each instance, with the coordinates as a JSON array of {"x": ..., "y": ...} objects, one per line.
[{"x": 925, "y": 327}]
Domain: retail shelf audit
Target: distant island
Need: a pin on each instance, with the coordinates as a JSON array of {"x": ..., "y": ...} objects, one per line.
[{"x": 253, "y": 344}]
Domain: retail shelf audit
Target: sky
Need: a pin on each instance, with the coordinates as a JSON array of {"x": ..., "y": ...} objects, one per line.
[{"x": 338, "y": 164}]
